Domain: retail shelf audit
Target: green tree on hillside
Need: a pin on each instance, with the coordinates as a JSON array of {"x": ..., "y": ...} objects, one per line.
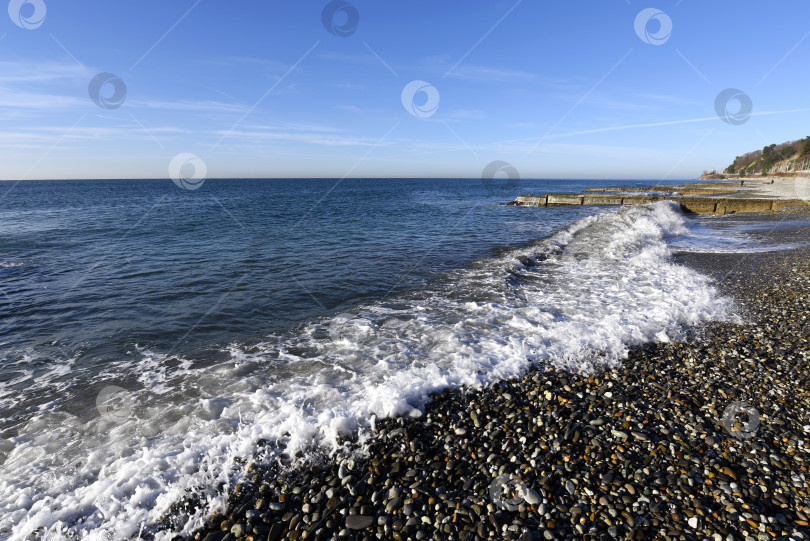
[
  {"x": 769, "y": 157},
  {"x": 805, "y": 151}
]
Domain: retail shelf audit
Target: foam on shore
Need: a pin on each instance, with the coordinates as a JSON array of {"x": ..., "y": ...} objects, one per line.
[{"x": 577, "y": 300}]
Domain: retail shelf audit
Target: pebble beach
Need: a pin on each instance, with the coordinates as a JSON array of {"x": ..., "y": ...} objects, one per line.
[{"x": 705, "y": 439}]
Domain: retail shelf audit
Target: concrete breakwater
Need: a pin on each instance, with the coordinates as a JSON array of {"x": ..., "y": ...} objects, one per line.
[
  {"x": 691, "y": 189},
  {"x": 697, "y": 205}
]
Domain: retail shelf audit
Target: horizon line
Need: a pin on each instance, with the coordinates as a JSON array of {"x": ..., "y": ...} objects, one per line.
[{"x": 168, "y": 179}]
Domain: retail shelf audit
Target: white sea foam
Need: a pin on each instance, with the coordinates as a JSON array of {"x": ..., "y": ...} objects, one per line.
[{"x": 576, "y": 300}]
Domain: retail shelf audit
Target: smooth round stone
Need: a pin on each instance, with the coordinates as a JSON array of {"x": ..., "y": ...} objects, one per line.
[
  {"x": 395, "y": 503},
  {"x": 570, "y": 487},
  {"x": 530, "y": 496},
  {"x": 359, "y": 522}
]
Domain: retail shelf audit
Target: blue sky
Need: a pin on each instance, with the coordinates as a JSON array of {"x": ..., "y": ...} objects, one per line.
[{"x": 264, "y": 89}]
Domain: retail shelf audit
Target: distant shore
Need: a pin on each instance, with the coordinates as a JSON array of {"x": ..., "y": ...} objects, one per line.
[
  {"x": 778, "y": 185},
  {"x": 707, "y": 439}
]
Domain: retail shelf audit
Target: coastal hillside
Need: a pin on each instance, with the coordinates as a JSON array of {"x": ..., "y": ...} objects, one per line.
[{"x": 788, "y": 157}]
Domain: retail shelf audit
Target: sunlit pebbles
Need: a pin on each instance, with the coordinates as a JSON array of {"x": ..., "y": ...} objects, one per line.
[{"x": 638, "y": 452}]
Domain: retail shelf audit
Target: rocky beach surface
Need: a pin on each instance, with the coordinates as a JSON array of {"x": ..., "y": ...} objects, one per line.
[{"x": 707, "y": 439}]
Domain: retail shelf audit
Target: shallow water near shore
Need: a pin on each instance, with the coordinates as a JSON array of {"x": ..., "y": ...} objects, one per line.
[{"x": 152, "y": 335}]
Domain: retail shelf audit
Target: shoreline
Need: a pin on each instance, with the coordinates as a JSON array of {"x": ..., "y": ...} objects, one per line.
[{"x": 660, "y": 447}]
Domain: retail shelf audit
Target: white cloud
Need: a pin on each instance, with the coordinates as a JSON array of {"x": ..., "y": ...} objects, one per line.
[
  {"x": 205, "y": 106},
  {"x": 490, "y": 74},
  {"x": 38, "y": 101},
  {"x": 29, "y": 71},
  {"x": 321, "y": 139}
]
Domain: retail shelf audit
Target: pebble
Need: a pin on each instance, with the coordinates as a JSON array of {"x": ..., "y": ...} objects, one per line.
[
  {"x": 641, "y": 451},
  {"x": 359, "y": 522}
]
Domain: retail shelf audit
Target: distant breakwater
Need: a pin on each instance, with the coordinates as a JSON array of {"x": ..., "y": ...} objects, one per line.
[{"x": 696, "y": 205}]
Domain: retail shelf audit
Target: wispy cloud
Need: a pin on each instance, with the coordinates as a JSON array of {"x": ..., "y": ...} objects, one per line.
[
  {"x": 44, "y": 136},
  {"x": 207, "y": 106},
  {"x": 463, "y": 114},
  {"x": 352, "y": 109},
  {"x": 293, "y": 126},
  {"x": 37, "y": 71},
  {"x": 345, "y": 58},
  {"x": 359, "y": 110},
  {"x": 346, "y": 85},
  {"x": 321, "y": 139},
  {"x": 491, "y": 74},
  {"x": 37, "y": 101},
  {"x": 241, "y": 61}
]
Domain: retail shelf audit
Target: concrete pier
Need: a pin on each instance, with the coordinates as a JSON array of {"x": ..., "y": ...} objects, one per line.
[{"x": 697, "y": 205}]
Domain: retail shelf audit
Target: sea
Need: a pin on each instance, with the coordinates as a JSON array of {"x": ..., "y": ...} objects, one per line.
[{"x": 152, "y": 336}]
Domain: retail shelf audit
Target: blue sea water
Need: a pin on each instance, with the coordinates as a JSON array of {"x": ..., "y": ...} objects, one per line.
[
  {"x": 98, "y": 266},
  {"x": 150, "y": 334}
]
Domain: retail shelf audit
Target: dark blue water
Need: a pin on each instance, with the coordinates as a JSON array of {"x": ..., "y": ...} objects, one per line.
[{"x": 99, "y": 266}]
